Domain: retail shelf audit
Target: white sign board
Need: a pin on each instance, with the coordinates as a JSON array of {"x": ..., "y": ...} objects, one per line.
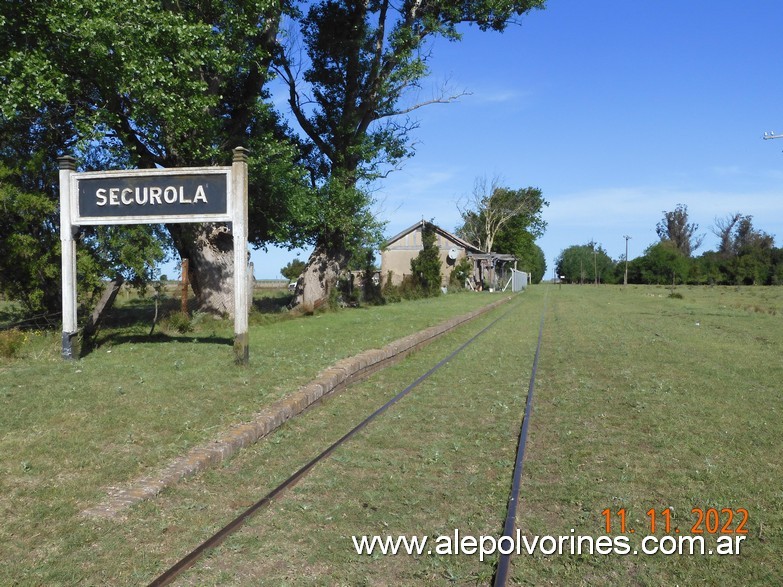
[{"x": 155, "y": 196}]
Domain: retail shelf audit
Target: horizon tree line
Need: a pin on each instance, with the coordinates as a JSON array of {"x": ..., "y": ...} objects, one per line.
[{"x": 745, "y": 255}]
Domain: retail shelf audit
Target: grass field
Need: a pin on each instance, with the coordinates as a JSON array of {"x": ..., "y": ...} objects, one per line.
[
  {"x": 70, "y": 430},
  {"x": 643, "y": 402}
]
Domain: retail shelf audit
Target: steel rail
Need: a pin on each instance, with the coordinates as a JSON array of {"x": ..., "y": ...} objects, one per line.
[
  {"x": 216, "y": 539},
  {"x": 501, "y": 572}
]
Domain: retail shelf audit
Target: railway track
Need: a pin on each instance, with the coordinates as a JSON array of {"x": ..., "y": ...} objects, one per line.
[{"x": 501, "y": 571}]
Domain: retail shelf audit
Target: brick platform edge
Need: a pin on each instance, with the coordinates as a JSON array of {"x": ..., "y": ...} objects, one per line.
[{"x": 327, "y": 382}]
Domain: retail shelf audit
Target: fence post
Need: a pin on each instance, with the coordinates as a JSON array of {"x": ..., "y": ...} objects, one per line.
[{"x": 185, "y": 279}]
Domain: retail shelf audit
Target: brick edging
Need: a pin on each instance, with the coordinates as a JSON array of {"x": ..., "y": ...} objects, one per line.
[{"x": 273, "y": 416}]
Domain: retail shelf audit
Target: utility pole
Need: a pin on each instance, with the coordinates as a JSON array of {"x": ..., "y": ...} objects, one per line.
[
  {"x": 771, "y": 135},
  {"x": 625, "y": 279}
]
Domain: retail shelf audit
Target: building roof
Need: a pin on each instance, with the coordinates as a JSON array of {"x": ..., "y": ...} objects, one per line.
[
  {"x": 494, "y": 256},
  {"x": 438, "y": 230}
]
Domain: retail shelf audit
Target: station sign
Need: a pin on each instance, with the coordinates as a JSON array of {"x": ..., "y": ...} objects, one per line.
[
  {"x": 155, "y": 196},
  {"x": 152, "y": 196}
]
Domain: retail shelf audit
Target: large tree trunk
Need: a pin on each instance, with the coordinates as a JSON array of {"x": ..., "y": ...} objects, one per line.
[
  {"x": 209, "y": 250},
  {"x": 317, "y": 280},
  {"x": 102, "y": 308}
]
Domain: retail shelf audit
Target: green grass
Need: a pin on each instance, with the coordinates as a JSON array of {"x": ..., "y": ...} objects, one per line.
[
  {"x": 646, "y": 401},
  {"x": 440, "y": 459},
  {"x": 643, "y": 401},
  {"x": 72, "y": 429}
]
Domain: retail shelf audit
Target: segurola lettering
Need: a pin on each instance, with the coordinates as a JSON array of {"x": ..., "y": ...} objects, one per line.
[{"x": 149, "y": 196}]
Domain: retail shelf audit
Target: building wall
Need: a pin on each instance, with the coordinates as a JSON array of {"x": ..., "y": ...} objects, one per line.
[{"x": 397, "y": 256}]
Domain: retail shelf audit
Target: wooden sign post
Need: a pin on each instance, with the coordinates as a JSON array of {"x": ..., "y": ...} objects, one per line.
[
  {"x": 154, "y": 196},
  {"x": 68, "y": 259},
  {"x": 241, "y": 260}
]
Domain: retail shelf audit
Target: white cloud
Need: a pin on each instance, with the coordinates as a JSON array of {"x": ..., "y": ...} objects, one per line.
[
  {"x": 608, "y": 207},
  {"x": 499, "y": 96}
]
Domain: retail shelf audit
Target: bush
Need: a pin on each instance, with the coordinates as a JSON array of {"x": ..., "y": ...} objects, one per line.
[
  {"x": 178, "y": 321},
  {"x": 425, "y": 267},
  {"x": 460, "y": 273},
  {"x": 11, "y": 341},
  {"x": 372, "y": 293},
  {"x": 389, "y": 291}
]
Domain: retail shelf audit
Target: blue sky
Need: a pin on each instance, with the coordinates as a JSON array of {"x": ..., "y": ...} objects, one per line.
[{"x": 616, "y": 109}]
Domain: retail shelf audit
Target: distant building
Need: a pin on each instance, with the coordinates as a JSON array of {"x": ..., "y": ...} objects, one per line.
[{"x": 397, "y": 252}]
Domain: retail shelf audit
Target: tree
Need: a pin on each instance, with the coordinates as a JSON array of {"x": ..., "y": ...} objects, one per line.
[
  {"x": 724, "y": 230},
  {"x": 30, "y": 249},
  {"x": 426, "y": 266},
  {"x": 745, "y": 255},
  {"x": 663, "y": 263},
  {"x": 675, "y": 227},
  {"x": 515, "y": 239},
  {"x": 776, "y": 277},
  {"x": 29, "y": 253},
  {"x": 293, "y": 270},
  {"x": 534, "y": 261},
  {"x": 371, "y": 283},
  {"x": 707, "y": 269},
  {"x": 360, "y": 62},
  {"x": 746, "y": 251},
  {"x": 336, "y": 236},
  {"x": 585, "y": 264},
  {"x": 492, "y": 207},
  {"x": 154, "y": 83}
]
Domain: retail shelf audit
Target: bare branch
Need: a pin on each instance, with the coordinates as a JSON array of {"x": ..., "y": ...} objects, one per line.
[
  {"x": 448, "y": 100},
  {"x": 723, "y": 228},
  {"x": 490, "y": 207}
]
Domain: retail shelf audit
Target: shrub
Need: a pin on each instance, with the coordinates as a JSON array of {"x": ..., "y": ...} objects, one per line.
[
  {"x": 179, "y": 321},
  {"x": 372, "y": 293},
  {"x": 460, "y": 273},
  {"x": 11, "y": 341},
  {"x": 425, "y": 267},
  {"x": 335, "y": 298},
  {"x": 389, "y": 291}
]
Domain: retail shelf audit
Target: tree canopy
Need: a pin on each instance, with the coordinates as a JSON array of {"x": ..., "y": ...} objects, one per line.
[
  {"x": 492, "y": 208},
  {"x": 350, "y": 89},
  {"x": 587, "y": 263},
  {"x": 663, "y": 263},
  {"x": 293, "y": 269},
  {"x": 505, "y": 220},
  {"x": 515, "y": 239},
  {"x": 152, "y": 84},
  {"x": 361, "y": 60},
  {"x": 745, "y": 255},
  {"x": 155, "y": 83},
  {"x": 676, "y": 228}
]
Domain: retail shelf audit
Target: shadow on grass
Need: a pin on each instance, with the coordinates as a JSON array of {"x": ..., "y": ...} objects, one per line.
[
  {"x": 272, "y": 304},
  {"x": 131, "y": 322},
  {"x": 158, "y": 337},
  {"x": 121, "y": 337}
]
